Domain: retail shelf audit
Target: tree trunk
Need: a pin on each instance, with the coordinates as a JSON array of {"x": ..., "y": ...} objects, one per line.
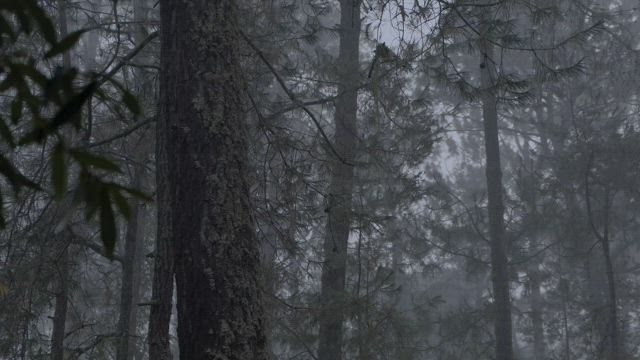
[
  {"x": 130, "y": 271},
  {"x": 162, "y": 287},
  {"x": 564, "y": 289},
  {"x": 216, "y": 250},
  {"x": 163, "y": 262},
  {"x": 340, "y": 190},
  {"x": 614, "y": 339},
  {"x": 499, "y": 261},
  {"x": 536, "y": 315},
  {"x": 60, "y": 312},
  {"x": 614, "y": 349},
  {"x": 62, "y": 268}
]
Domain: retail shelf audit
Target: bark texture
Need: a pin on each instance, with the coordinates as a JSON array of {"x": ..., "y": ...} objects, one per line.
[
  {"x": 163, "y": 264},
  {"x": 216, "y": 250},
  {"x": 499, "y": 261},
  {"x": 162, "y": 287},
  {"x": 341, "y": 187}
]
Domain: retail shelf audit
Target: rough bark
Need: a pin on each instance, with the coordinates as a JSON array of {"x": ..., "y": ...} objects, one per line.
[
  {"x": 216, "y": 250},
  {"x": 162, "y": 287},
  {"x": 163, "y": 263},
  {"x": 341, "y": 187},
  {"x": 499, "y": 261}
]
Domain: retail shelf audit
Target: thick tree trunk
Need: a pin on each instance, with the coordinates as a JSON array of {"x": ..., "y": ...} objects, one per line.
[
  {"x": 163, "y": 262},
  {"x": 162, "y": 287},
  {"x": 130, "y": 278},
  {"x": 499, "y": 261},
  {"x": 341, "y": 187},
  {"x": 216, "y": 250}
]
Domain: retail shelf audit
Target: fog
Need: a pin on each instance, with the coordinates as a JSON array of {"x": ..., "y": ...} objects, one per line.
[{"x": 319, "y": 179}]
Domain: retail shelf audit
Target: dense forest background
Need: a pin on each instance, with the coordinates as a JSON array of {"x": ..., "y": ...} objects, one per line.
[{"x": 320, "y": 179}]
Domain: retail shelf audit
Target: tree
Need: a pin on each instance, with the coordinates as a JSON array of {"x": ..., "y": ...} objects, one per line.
[
  {"x": 339, "y": 207},
  {"x": 499, "y": 261},
  {"x": 212, "y": 232}
]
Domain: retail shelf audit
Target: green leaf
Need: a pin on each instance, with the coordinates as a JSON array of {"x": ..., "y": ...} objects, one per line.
[
  {"x": 89, "y": 159},
  {"x": 16, "y": 110},
  {"x": 25, "y": 22},
  {"x": 131, "y": 102},
  {"x": 9, "y": 82},
  {"x": 44, "y": 23},
  {"x": 91, "y": 199},
  {"x": 32, "y": 72},
  {"x": 58, "y": 171},
  {"x": 121, "y": 202},
  {"x": 108, "y": 229},
  {"x": 137, "y": 193},
  {"x": 3, "y": 222},
  {"x": 65, "y": 44},
  {"x": 6, "y": 134},
  {"x": 14, "y": 176},
  {"x": 69, "y": 112},
  {"x": 5, "y": 28}
]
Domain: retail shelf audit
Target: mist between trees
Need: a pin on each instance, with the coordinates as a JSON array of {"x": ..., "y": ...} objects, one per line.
[{"x": 319, "y": 180}]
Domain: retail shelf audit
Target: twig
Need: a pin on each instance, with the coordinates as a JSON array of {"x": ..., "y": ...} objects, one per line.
[
  {"x": 293, "y": 97},
  {"x": 124, "y": 133},
  {"x": 106, "y": 76}
]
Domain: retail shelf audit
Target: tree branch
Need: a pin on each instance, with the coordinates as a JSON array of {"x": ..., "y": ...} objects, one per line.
[{"x": 293, "y": 97}]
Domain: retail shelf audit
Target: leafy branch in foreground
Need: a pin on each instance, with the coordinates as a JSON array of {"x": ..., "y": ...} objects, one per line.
[{"x": 41, "y": 105}]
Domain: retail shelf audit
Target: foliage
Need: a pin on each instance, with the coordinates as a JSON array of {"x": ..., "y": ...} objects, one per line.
[{"x": 44, "y": 104}]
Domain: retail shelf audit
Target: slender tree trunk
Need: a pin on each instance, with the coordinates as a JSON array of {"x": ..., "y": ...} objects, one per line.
[
  {"x": 614, "y": 351},
  {"x": 401, "y": 332},
  {"x": 130, "y": 269},
  {"x": 216, "y": 249},
  {"x": 62, "y": 268},
  {"x": 499, "y": 261},
  {"x": 564, "y": 289},
  {"x": 614, "y": 338},
  {"x": 596, "y": 295},
  {"x": 134, "y": 241},
  {"x": 533, "y": 273},
  {"x": 60, "y": 312},
  {"x": 536, "y": 315},
  {"x": 341, "y": 187}
]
